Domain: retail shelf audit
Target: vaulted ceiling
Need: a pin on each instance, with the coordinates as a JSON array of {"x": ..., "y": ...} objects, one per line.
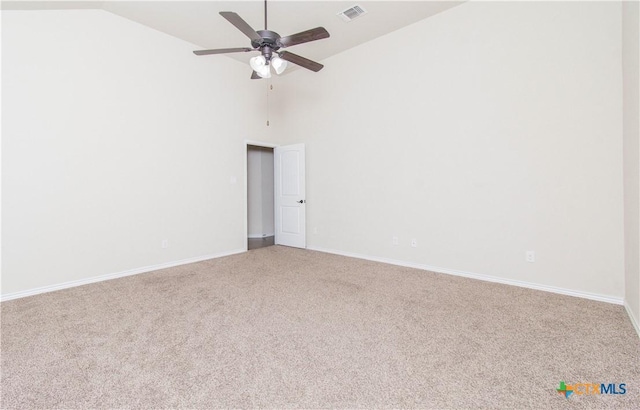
[{"x": 198, "y": 22}]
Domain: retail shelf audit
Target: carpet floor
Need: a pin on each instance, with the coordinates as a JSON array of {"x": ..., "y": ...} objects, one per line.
[{"x": 286, "y": 328}]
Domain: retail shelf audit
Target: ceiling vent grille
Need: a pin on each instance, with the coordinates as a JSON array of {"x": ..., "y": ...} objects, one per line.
[{"x": 352, "y": 13}]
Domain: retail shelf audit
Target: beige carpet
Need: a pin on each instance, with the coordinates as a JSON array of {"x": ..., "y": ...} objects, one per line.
[{"x": 281, "y": 327}]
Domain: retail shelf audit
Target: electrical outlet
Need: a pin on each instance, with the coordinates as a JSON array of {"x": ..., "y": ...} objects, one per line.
[
  {"x": 165, "y": 243},
  {"x": 531, "y": 256},
  {"x": 315, "y": 230},
  {"x": 395, "y": 240},
  {"x": 414, "y": 243}
]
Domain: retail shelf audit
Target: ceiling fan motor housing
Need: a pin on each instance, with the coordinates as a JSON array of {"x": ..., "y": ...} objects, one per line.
[{"x": 268, "y": 43}]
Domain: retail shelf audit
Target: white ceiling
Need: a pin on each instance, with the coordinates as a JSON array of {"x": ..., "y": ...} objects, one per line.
[{"x": 198, "y": 22}]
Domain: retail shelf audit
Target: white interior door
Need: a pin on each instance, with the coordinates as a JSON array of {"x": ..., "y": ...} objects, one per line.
[{"x": 290, "y": 195}]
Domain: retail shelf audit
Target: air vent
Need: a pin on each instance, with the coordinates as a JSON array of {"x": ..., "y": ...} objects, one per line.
[{"x": 352, "y": 13}]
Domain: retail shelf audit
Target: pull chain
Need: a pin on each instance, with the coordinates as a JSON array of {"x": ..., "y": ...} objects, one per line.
[{"x": 269, "y": 88}]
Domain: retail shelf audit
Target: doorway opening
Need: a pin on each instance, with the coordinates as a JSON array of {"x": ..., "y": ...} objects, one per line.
[{"x": 260, "y": 197}]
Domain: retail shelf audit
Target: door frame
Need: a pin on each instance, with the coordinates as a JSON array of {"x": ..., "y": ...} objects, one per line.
[{"x": 246, "y": 184}]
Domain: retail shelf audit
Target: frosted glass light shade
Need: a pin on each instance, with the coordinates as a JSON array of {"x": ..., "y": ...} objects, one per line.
[
  {"x": 265, "y": 72},
  {"x": 259, "y": 65},
  {"x": 278, "y": 64},
  {"x": 257, "y": 62}
]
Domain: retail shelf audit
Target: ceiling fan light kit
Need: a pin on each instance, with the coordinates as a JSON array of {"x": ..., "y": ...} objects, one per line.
[
  {"x": 260, "y": 66},
  {"x": 269, "y": 43}
]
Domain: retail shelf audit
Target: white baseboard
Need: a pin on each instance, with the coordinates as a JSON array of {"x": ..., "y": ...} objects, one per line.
[
  {"x": 94, "y": 279},
  {"x": 562, "y": 291},
  {"x": 634, "y": 320},
  {"x": 260, "y": 235},
  {"x": 479, "y": 276}
]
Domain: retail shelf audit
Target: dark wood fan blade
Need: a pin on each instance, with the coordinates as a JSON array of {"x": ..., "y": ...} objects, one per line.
[
  {"x": 223, "y": 51},
  {"x": 317, "y": 33},
  {"x": 240, "y": 24},
  {"x": 301, "y": 61},
  {"x": 255, "y": 76}
]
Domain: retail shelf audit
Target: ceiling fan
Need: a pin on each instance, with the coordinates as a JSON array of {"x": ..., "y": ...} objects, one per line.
[{"x": 269, "y": 44}]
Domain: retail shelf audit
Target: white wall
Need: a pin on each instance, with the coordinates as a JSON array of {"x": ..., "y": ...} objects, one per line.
[
  {"x": 115, "y": 137},
  {"x": 631, "y": 126},
  {"x": 488, "y": 130},
  {"x": 483, "y": 132},
  {"x": 260, "y": 207}
]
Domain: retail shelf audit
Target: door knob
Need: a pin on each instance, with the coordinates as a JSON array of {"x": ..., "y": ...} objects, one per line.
[{"x": 302, "y": 201}]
